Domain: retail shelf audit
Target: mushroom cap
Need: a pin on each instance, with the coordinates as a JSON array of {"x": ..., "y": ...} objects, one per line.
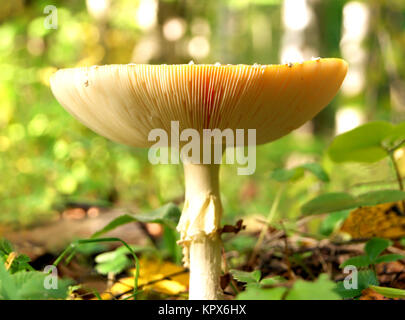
[{"x": 125, "y": 102}]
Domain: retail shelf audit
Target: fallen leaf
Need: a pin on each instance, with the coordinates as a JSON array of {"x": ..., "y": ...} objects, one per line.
[
  {"x": 10, "y": 260},
  {"x": 370, "y": 294},
  {"x": 154, "y": 275},
  {"x": 384, "y": 220}
]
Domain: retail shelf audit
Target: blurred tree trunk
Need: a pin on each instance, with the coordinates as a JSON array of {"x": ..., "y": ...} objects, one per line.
[
  {"x": 389, "y": 33},
  {"x": 328, "y": 20},
  {"x": 169, "y": 50}
]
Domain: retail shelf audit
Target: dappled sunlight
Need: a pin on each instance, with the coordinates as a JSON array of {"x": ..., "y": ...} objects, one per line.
[{"x": 319, "y": 85}]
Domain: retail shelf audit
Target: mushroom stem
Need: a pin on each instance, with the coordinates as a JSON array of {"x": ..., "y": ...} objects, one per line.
[
  {"x": 205, "y": 269},
  {"x": 198, "y": 227}
]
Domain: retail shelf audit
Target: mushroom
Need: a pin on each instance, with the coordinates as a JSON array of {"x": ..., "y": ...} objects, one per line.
[{"x": 125, "y": 102}]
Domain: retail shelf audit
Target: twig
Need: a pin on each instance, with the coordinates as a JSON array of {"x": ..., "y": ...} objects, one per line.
[
  {"x": 396, "y": 250},
  {"x": 278, "y": 234},
  {"x": 291, "y": 274},
  {"x": 147, "y": 233},
  {"x": 325, "y": 266},
  {"x": 232, "y": 282}
]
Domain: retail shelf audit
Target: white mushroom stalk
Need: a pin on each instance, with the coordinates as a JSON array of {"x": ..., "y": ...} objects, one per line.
[
  {"x": 126, "y": 102},
  {"x": 198, "y": 227}
]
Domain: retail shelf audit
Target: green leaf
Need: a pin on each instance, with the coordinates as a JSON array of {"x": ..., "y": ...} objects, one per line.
[
  {"x": 111, "y": 255},
  {"x": 115, "y": 266},
  {"x": 317, "y": 170},
  {"x": 169, "y": 244},
  {"x": 347, "y": 293},
  {"x": 321, "y": 289},
  {"x": 396, "y": 138},
  {"x": 389, "y": 258},
  {"x": 121, "y": 220},
  {"x": 362, "y": 144},
  {"x": 332, "y": 222},
  {"x": 117, "y": 261},
  {"x": 256, "y": 275},
  {"x": 272, "y": 281},
  {"x": 168, "y": 215},
  {"x": 30, "y": 286},
  {"x": 389, "y": 292},
  {"x": 8, "y": 289},
  {"x": 262, "y": 294},
  {"x": 251, "y": 285},
  {"x": 329, "y": 202},
  {"x": 71, "y": 251},
  {"x": 374, "y": 247},
  {"x": 284, "y": 175},
  {"x": 359, "y": 262},
  {"x": 20, "y": 263},
  {"x": 338, "y": 201},
  {"x": 241, "y": 243},
  {"x": 244, "y": 276},
  {"x": 365, "y": 278},
  {"x": 5, "y": 247},
  {"x": 373, "y": 198},
  {"x": 91, "y": 248}
]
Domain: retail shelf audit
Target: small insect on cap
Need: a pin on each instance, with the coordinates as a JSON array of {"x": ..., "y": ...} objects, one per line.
[{"x": 125, "y": 102}]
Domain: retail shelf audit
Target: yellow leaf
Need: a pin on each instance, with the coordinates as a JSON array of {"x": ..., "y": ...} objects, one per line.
[
  {"x": 384, "y": 220},
  {"x": 104, "y": 296},
  {"x": 10, "y": 260},
  {"x": 153, "y": 275},
  {"x": 121, "y": 286},
  {"x": 169, "y": 287}
]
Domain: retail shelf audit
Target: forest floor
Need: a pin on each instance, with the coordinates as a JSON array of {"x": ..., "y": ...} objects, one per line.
[{"x": 282, "y": 254}]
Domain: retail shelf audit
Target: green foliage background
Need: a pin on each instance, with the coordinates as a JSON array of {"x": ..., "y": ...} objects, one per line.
[{"x": 47, "y": 157}]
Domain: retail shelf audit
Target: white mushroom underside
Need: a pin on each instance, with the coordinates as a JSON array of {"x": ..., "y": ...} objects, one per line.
[{"x": 125, "y": 102}]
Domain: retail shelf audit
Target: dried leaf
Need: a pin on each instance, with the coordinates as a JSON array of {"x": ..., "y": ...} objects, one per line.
[
  {"x": 370, "y": 294},
  {"x": 384, "y": 220},
  {"x": 153, "y": 275}
]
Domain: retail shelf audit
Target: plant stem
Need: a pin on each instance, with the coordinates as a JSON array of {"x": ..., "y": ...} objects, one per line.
[
  {"x": 397, "y": 172},
  {"x": 198, "y": 227},
  {"x": 398, "y": 175},
  {"x": 73, "y": 245},
  {"x": 269, "y": 219}
]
